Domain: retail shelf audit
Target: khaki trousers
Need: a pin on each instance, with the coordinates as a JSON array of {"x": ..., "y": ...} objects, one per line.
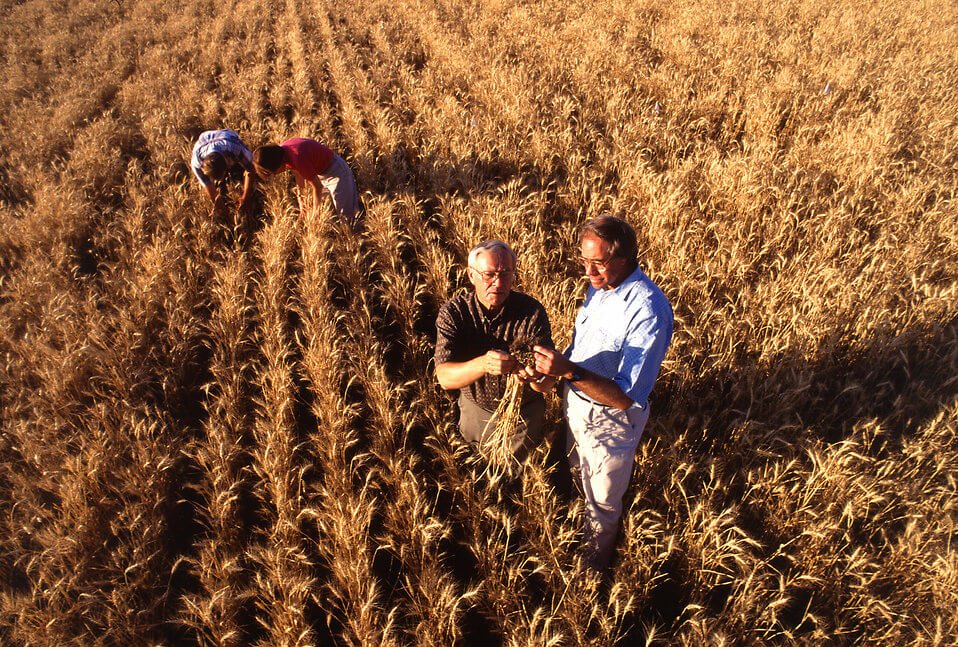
[
  {"x": 338, "y": 180},
  {"x": 601, "y": 446}
]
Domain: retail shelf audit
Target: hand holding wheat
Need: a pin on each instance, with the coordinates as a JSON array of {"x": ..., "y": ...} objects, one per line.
[
  {"x": 550, "y": 362},
  {"x": 497, "y": 362},
  {"x": 499, "y": 434}
]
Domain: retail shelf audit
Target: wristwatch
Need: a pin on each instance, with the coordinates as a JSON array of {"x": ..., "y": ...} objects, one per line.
[{"x": 576, "y": 376}]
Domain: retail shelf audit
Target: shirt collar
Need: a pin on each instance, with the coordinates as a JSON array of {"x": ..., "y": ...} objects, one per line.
[
  {"x": 485, "y": 313},
  {"x": 636, "y": 275},
  {"x": 623, "y": 289}
]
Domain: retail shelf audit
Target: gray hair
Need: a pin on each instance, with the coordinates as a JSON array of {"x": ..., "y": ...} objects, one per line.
[{"x": 491, "y": 246}]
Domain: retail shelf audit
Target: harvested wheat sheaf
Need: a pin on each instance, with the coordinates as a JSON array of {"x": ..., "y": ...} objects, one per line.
[
  {"x": 498, "y": 434},
  {"x": 500, "y": 431}
]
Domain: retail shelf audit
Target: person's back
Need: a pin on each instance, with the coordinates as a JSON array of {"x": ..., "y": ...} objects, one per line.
[
  {"x": 216, "y": 154},
  {"x": 315, "y": 165},
  {"x": 307, "y": 157}
]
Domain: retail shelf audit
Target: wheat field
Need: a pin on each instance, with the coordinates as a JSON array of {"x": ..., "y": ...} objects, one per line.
[{"x": 227, "y": 431}]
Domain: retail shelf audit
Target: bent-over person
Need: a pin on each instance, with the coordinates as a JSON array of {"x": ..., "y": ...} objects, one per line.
[
  {"x": 474, "y": 334},
  {"x": 316, "y": 165},
  {"x": 219, "y": 155}
]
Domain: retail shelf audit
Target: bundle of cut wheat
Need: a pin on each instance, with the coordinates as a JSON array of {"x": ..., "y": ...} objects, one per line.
[
  {"x": 496, "y": 443},
  {"x": 498, "y": 436}
]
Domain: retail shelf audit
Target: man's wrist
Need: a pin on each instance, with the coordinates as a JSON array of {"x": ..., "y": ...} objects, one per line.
[{"x": 573, "y": 376}]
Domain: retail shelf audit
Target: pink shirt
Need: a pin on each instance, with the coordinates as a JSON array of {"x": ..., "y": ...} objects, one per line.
[{"x": 307, "y": 157}]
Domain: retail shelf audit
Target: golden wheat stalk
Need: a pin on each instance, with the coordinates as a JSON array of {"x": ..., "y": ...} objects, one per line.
[
  {"x": 502, "y": 426},
  {"x": 218, "y": 607},
  {"x": 506, "y": 421}
]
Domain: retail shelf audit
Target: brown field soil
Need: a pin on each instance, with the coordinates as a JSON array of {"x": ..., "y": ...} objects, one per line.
[{"x": 225, "y": 430}]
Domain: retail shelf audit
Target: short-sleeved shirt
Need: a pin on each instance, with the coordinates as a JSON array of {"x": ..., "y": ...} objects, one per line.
[
  {"x": 466, "y": 330},
  {"x": 307, "y": 157},
  {"x": 225, "y": 142},
  {"x": 622, "y": 334}
]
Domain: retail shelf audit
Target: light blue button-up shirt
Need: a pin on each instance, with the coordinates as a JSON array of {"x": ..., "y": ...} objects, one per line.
[{"x": 623, "y": 333}]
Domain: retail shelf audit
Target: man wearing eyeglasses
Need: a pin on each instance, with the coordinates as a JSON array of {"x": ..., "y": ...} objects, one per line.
[
  {"x": 474, "y": 333},
  {"x": 620, "y": 337}
]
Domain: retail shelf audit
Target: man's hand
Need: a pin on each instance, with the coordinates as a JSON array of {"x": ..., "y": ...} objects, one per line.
[
  {"x": 219, "y": 204},
  {"x": 497, "y": 362},
  {"x": 526, "y": 374},
  {"x": 536, "y": 380},
  {"x": 552, "y": 362},
  {"x": 529, "y": 374},
  {"x": 456, "y": 375},
  {"x": 245, "y": 206}
]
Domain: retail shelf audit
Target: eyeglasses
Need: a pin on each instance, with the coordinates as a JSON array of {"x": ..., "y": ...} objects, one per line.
[
  {"x": 600, "y": 265},
  {"x": 489, "y": 277}
]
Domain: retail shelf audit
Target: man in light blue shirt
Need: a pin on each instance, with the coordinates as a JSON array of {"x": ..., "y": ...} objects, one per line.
[{"x": 620, "y": 338}]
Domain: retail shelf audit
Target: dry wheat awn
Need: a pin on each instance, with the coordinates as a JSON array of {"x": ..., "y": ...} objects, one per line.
[{"x": 499, "y": 434}]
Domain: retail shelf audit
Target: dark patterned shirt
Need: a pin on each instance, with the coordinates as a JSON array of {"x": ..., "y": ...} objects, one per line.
[{"x": 465, "y": 330}]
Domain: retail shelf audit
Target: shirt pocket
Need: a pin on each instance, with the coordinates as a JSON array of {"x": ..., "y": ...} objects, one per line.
[
  {"x": 581, "y": 318},
  {"x": 603, "y": 335}
]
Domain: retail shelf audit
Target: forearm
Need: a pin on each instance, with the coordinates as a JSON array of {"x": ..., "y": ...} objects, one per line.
[
  {"x": 300, "y": 192},
  {"x": 601, "y": 389},
  {"x": 317, "y": 188},
  {"x": 249, "y": 183},
  {"x": 456, "y": 375}
]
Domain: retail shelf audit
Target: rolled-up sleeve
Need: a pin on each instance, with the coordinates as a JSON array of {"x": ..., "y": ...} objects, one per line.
[
  {"x": 645, "y": 344},
  {"x": 196, "y": 163},
  {"x": 245, "y": 158}
]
